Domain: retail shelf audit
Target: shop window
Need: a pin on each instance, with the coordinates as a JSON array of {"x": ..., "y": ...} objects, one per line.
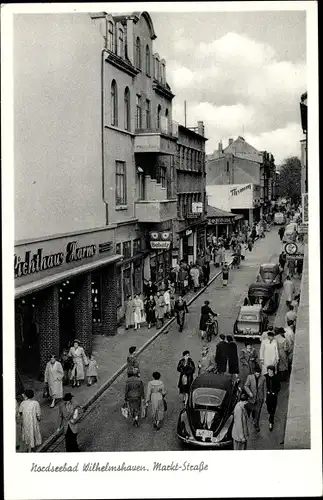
[
  {"x": 126, "y": 249},
  {"x": 138, "y": 54},
  {"x": 121, "y": 184},
  {"x": 127, "y": 109},
  {"x": 147, "y": 60},
  {"x": 161, "y": 176},
  {"x": 138, "y": 112},
  {"x": 137, "y": 275},
  {"x": 127, "y": 281},
  {"x": 148, "y": 123},
  {"x": 136, "y": 246},
  {"x": 118, "y": 248},
  {"x": 114, "y": 103},
  {"x": 96, "y": 291}
]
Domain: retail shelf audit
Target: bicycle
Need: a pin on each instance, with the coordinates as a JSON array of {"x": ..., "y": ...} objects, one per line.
[{"x": 212, "y": 329}]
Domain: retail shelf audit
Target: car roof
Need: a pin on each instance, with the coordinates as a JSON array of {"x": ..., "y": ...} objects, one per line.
[
  {"x": 216, "y": 381},
  {"x": 246, "y": 309},
  {"x": 268, "y": 265}
]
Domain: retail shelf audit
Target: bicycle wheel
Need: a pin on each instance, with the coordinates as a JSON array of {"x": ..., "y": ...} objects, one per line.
[{"x": 215, "y": 328}]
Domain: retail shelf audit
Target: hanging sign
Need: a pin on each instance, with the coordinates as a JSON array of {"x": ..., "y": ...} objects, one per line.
[{"x": 160, "y": 240}]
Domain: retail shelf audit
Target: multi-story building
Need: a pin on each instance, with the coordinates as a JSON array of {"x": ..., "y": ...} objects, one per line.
[
  {"x": 190, "y": 226},
  {"x": 94, "y": 174},
  {"x": 240, "y": 168},
  {"x": 304, "y": 174}
]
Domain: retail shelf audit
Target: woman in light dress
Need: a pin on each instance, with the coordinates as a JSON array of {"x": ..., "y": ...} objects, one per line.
[
  {"x": 138, "y": 308},
  {"x": 77, "y": 353},
  {"x": 129, "y": 312},
  {"x": 54, "y": 375},
  {"x": 30, "y": 414},
  {"x": 155, "y": 393}
]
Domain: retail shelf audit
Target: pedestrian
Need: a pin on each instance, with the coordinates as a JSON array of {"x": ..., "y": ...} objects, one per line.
[
  {"x": 53, "y": 379},
  {"x": 221, "y": 354},
  {"x": 281, "y": 232},
  {"x": 195, "y": 276},
  {"x": 291, "y": 315},
  {"x": 173, "y": 276},
  {"x": 250, "y": 243},
  {"x": 264, "y": 334},
  {"x": 160, "y": 309},
  {"x": 67, "y": 365},
  {"x": 182, "y": 278},
  {"x": 282, "y": 367},
  {"x": 282, "y": 261},
  {"x": 138, "y": 307},
  {"x": 156, "y": 393},
  {"x": 134, "y": 395},
  {"x": 290, "y": 339},
  {"x": 225, "y": 274},
  {"x": 186, "y": 368},
  {"x": 255, "y": 386},
  {"x": 240, "y": 431},
  {"x": 150, "y": 311},
  {"x": 180, "y": 309},
  {"x": 272, "y": 390},
  {"x": 172, "y": 303},
  {"x": 233, "y": 360},
  {"x": 206, "y": 312},
  {"x": 299, "y": 267},
  {"x": 289, "y": 289},
  {"x": 167, "y": 303},
  {"x": 150, "y": 289},
  {"x": 222, "y": 254},
  {"x": 29, "y": 411},
  {"x": 206, "y": 272},
  {"x": 207, "y": 361},
  {"x": 295, "y": 302},
  {"x": 68, "y": 417},
  {"x": 92, "y": 371},
  {"x": 129, "y": 312},
  {"x": 248, "y": 360},
  {"x": 77, "y": 354},
  {"x": 291, "y": 267},
  {"x": 268, "y": 352},
  {"x": 132, "y": 362}
]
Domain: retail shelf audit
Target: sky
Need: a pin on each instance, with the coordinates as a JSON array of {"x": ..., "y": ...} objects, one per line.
[{"x": 241, "y": 73}]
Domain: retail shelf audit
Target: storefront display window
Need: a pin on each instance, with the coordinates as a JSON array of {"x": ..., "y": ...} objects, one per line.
[
  {"x": 136, "y": 246},
  {"x": 118, "y": 248},
  {"x": 126, "y": 250},
  {"x": 126, "y": 281},
  {"x": 136, "y": 275},
  {"x": 96, "y": 291},
  {"x": 119, "y": 287}
]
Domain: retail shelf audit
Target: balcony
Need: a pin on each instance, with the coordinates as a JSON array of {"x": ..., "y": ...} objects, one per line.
[
  {"x": 155, "y": 207},
  {"x": 157, "y": 140}
]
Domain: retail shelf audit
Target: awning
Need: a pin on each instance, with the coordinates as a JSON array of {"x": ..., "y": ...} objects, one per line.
[{"x": 57, "y": 278}]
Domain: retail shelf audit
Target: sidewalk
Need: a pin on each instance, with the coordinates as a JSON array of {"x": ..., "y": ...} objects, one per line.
[{"x": 110, "y": 354}]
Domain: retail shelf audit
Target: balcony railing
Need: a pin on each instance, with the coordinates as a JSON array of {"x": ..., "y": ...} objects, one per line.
[{"x": 167, "y": 127}]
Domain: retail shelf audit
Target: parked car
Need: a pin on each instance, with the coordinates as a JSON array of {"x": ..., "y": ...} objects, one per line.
[
  {"x": 279, "y": 218},
  {"x": 265, "y": 295},
  {"x": 250, "y": 323},
  {"x": 290, "y": 232},
  {"x": 270, "y": 273},
  {"x": 207, "y": 420}
]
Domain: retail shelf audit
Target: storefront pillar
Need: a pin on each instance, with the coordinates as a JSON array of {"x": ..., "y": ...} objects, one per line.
[
  {"x": 109, "y": 301},
  {"x": 194, "y": 246},
  {"x": 251, "y": 218},
  {"x": 83, "y": 311},
  {"x": 48, "y": 324}
]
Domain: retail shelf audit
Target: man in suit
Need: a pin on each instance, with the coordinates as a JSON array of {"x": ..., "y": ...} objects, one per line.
[
  {"x": 221, "y": 355},
  {"x": 255, "y": 387}
]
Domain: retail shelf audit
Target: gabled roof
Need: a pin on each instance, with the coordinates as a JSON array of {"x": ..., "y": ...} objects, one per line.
[{"x": 241, "y": 148}]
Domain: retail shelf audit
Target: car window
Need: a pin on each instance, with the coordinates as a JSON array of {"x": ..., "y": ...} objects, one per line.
[
  {"x": 249, "y": 317},
  {"x": 208, "y": 396}
]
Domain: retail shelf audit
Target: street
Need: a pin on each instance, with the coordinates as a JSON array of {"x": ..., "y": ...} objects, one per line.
[{"x": 104, "y": 428}]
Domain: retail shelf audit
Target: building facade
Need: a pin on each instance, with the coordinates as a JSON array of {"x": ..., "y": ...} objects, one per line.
[
  {"x": 189, "y": 238},
  {"x": 241, "y": 164},
  {"x": 94, "y": 175},
  {"x": 304, "y": 174}
]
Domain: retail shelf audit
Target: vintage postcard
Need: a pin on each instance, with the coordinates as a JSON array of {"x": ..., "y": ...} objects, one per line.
[{"x": 161, "y": 241}]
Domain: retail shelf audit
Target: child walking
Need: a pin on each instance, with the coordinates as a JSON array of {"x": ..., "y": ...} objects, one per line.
[
  {"x": 225, "y": 274},
  {"x": 92, "y": 371}
]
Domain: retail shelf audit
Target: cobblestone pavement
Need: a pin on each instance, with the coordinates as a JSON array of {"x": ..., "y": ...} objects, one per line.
[{"x": 104, "y": 428}]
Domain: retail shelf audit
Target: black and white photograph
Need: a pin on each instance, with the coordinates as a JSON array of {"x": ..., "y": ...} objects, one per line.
[{"x": 162, "y": 222}]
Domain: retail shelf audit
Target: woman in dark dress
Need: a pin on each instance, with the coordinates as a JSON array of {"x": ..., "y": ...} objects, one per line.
[
  {"x": 206, "y": 311},
  {"x": 186, "y": 368},
  {"x": 150, "y": 311},
  {"x": 232, "y": 352},
  {"x": 180, "y": 309}
]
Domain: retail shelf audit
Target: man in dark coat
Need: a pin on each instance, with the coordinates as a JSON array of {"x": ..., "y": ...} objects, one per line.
[
  {"x": 134, "y": 395},
  {"x": 272, "y": 390},
  {"x": 221, "y": 355},
  {"x": 206, "y": 272},
  {"x": 150, "y": 289},
  {"x": 233, "y": 360},
  {"x": 281, "y": 232}
]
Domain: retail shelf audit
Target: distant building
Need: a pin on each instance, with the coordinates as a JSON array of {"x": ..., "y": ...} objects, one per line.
[
  {"x": 304, "y": 174},
  {"x": 241, "y": 166}
]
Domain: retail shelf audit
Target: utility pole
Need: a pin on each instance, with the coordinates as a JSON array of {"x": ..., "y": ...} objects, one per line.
[{"x": 185, "y": 114}]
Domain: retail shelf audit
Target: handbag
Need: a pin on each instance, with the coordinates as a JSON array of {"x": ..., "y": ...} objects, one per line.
[
  {"x": 125, "y": 410},
  {"x": 165, "y": 404},
  {"x": 46, "y": 392},
  {"x": 184, "y": 380},
  {"x": 143, "y": 410}
]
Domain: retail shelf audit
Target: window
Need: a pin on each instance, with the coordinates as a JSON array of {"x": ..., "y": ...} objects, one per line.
[
  {"x": 126, "y": 249},
  {"x": 158, "y": 116},
  {"x": 121, "y": 186},
  {"x": 110, "y": 36},
  {"x": 127, "y": 109},
  {"x": 121, "y": 42},
  {"x": 118, "y": 248},
  {"x": 147, "y": 60},
  {"x": 228, "y": 166},
  {"x": 96, "y": 291},
  {"x": 163, "y": 73},
  {"x": 136, "y": 245},
  {"x": 114, "y": 103},
  {"x": 147, "y": 113},
  {"x": 161, "y": 177},
  {"x": 138, "y": 111},
  {"x": 167, "y": 122},
  {"x": 138, "y": 55}
]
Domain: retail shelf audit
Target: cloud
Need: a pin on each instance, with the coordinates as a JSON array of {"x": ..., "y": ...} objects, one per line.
[{"x": 238, "y": 85}]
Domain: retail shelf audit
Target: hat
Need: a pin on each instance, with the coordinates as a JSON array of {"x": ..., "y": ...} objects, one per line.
[
  {"x": 67, "y": 397},
  {"x": 76, "y": 340}
]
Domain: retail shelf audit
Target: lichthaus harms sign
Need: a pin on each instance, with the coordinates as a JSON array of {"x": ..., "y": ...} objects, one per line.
[{"x": 37, "y": 262}]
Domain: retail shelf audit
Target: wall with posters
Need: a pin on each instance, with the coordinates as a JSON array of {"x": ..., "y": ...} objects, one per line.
[{"x": 233, "y": 196}]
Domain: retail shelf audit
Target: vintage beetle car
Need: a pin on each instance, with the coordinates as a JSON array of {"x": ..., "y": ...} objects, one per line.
[
  {"x": 270, "y": 274},
  {"x": 290, "y": 233},
  {"x": 250, "y": 323},
  {"x": 207, "y": 419},
  {"x": 264, "y": 294}
]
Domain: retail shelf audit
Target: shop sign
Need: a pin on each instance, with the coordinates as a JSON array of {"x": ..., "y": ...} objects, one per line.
[
  {"x": 197, "y": 207},
  {"x": 188, "y": 232},
  {"x": 236, "y": 191},
  {"x": 220, "y": 220},
  {"x": 298, "y": 256},
  {"x": 291, "y": 248},
  {"x": 302, "y": 229},
  {"x": 160, "y": 240},
  {"x": 37, "y": 262}
]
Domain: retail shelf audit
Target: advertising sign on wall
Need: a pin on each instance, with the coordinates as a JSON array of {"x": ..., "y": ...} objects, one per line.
[{"x": 160, "y": 240}]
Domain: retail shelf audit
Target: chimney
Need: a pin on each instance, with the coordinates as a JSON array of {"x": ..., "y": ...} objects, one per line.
[
  {"x": 220, "y": 147},
  {"x": 200, "y": 128},
  {"x": 230, "y": 142}
]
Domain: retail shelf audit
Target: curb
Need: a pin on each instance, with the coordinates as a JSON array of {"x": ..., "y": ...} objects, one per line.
[{"x": 56, "y": 435}]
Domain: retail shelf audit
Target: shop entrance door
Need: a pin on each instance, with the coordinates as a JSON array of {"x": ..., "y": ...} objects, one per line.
[
  {"x": 27, "y": 336},
  {"x": 185, "y": 247},
  {"x": 66, "y": 315}
]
